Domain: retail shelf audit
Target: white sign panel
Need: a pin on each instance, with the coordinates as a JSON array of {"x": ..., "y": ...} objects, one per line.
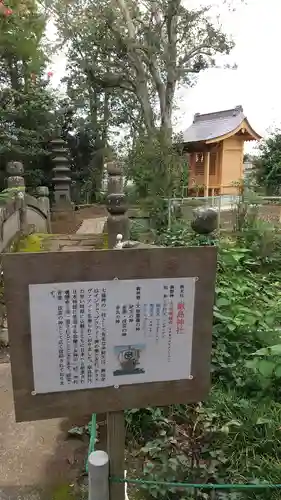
[{"x": 111, "y": 333}]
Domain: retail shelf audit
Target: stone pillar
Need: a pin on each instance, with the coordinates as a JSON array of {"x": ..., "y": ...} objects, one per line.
[
  {"x": 44, "y": 203},
  {"x": 15, "y": 172},
  {"x": 61, "y": 178},
  {"x": 15, "y": 181},
  {"x": 117, "y": 220},
  {"x": 22, "y": 213}
]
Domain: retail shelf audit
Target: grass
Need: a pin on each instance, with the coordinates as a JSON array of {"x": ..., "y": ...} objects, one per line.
[
  {"x": 227, "y": 439},
  {"x": 248, "y": 433}
]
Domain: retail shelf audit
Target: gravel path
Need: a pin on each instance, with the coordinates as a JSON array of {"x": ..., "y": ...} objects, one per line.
[
  {"x": 92, "y": 226},
  {"x": 37, "y": 459}
]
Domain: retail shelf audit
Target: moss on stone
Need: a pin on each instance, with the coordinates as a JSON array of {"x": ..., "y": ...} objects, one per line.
[{"x": 34, "y": 242}]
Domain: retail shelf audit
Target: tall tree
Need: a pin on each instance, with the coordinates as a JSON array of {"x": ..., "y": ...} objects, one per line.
[
  {"x": 141, "y": 47},
  {"x": 27, "y": 104},
  {"x": 126, "y": 59},
  {"x": 268, "y": 164}
]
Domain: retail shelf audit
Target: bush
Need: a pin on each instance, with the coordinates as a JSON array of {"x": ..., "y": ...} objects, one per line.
[
  {"x": 228, "y": 439},
  {"x": 235, "y": 436},
  {"x": 180, "y": 234},
  {"x": 246, "y": 314},
  {"x": 159, "y": 172}
]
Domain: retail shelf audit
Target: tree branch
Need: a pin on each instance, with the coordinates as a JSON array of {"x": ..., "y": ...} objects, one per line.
[
  {"x": 111, "y": 80},
  {"x": 193, "y": 53},
  {"x": 126, "y": 14},
  {"x": 171, "y": 58}
]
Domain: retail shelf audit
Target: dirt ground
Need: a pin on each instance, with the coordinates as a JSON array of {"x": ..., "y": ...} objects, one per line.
[
  {"x": 69, "y": 223},
  {"x": 38, "y": 460},
  {"x": 271, "y": 213}
]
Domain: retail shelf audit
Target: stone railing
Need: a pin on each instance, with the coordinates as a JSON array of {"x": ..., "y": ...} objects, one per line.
[{"x": 20, "y": 213}]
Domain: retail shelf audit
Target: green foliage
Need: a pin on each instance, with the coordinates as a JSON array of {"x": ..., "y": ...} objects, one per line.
[
  {"x": 260, "y": 236},
  {"x": 235, "y": 436},
  {"x": 138, "y": 228},
  {"x": 87, "y": 161},
  {"x": 228, "y": 439},
  {"x": 31, "y": 113},
  {"x": 157, "y": 171},
  {"x": 64, "y": 492},
  {"x": 33, "y": 242},
  {"x": 180, "y": 234},
  {"x": 26, "y": 118},
  {"x": 155, "y": 167},
  {"x": 21, "y": 33},
  {"x": 9, "y": 194},
  {"x": 264, "y": 240},
  {"x": 151, "y": 51},
  {"x": 268, "y": 164},
  {"x": 266, "y": 365},
  {"x": 247, "y": 308}
]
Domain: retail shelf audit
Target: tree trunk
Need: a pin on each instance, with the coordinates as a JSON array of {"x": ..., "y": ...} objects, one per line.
[
  {"x": 106, "y": 116},
  {"x": 143, "y": 98},
  {"x": 141, "y": 82},
  {"x": 93, "y": 104},
  {"x": 171, "y": 66},
  {"x": 166, "y": 121},
  {"x": 101, "y": 143}
]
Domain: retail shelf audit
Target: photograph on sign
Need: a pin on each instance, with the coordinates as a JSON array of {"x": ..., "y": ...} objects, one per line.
[
  {"x": 129, "y": 359},
  {"x": 110, "y": 333}
]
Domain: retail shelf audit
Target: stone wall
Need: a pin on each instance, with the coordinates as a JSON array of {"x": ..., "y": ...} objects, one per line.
[{"x": 21, "y": 213}]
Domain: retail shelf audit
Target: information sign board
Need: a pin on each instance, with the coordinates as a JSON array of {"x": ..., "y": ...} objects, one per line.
[
  {"x": 108, "y": 330},
  {"x": 106, "y": 333}
]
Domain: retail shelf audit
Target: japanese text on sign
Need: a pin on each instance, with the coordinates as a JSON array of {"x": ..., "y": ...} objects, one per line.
[{"x": 105, "y": 333}]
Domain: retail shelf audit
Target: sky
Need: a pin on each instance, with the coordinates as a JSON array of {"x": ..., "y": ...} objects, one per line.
[{"x": 255, "y": 84}]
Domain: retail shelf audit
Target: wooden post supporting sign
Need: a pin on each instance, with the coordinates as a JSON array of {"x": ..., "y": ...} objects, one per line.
[{"x": 116, "y": 452}]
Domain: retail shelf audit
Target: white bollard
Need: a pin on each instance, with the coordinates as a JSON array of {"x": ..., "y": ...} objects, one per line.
[
  {"x": 119, "y": 243},
  {"x": 98, "y": 475},
  {"x": 126, "y": 486}
]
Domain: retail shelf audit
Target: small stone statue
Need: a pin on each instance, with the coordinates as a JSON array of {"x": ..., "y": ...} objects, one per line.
[{"x": 205, "y": 220}]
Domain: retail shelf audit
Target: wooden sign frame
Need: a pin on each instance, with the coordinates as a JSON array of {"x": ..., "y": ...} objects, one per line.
[{"x": 22, "y": 270}]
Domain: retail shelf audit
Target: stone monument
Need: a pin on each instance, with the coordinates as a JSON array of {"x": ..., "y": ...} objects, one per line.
[
  {"x": 205, "y": 220},
  {"x": 15, "y": 173},
  {"x": 117, "y": 220},
  {"x": 63, "y": 215},
  {"x": 61, "y": 176}
]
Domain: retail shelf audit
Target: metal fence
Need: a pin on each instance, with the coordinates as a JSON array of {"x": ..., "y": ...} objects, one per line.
[
  {"x": 267, "y": 207},
  {"x": 186, "y": 206},
  {"x": 100, "y": 479}
]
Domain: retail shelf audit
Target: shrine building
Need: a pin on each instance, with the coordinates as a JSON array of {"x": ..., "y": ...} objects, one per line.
[{"x": 215, "y": 146}]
